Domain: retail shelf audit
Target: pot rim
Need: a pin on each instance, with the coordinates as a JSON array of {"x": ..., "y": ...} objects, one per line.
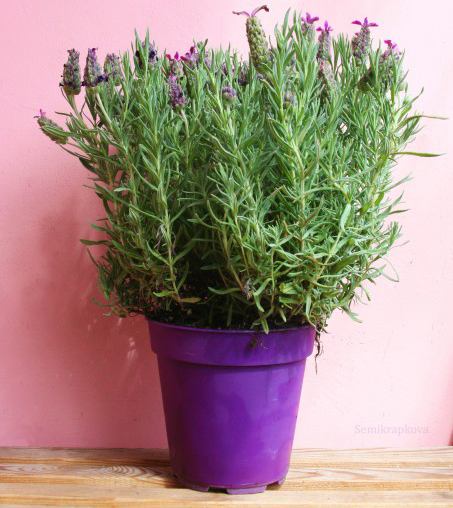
[{"x": 228, "y": 330}]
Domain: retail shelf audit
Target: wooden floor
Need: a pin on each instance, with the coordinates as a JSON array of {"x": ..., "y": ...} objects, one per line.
[{"x": 117, "y": 477}]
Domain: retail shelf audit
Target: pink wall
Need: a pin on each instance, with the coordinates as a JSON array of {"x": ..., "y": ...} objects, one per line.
[{"x": 71, "y": 377}]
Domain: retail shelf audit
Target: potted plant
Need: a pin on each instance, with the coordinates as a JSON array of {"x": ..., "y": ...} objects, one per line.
[{"x": 245, "y": 201}]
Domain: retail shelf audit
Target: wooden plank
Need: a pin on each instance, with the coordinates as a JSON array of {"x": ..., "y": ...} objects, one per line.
[
  {"x": 95, "y": 496},
  {"x": 134, "y": 456},
  {"x": 376, "y": 457},
  {"x": 311, "y": 478},
  {"x": 119, "y": 477},
  {"x": 331, "y": 458}
]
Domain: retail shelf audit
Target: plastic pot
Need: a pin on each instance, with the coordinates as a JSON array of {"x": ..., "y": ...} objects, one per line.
[{"x": 231, "y": 400}]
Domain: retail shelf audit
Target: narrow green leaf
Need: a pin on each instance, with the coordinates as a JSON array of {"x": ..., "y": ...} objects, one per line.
[
  {"x": 191, "y": 299},
  {"x": 345, "y": 215},
  {"x": 419, "y": 154},
  {"x": 94, "y": 242}
]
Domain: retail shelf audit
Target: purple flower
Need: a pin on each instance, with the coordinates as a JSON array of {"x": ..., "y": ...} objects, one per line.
[
  {"x": 191, "y": 57},
  {"x": 175, "y": 63},
  {"x": 324, "y": 41},
  {"x": 92, "y": 75},
  {"x": 71, "y": 74},
  {"x": 177, "y": 99},
  {"x": 325, "y": 29},
  {"x": 392, "y": 50},
  {"x": 362, "y": 40},
  {"x": 229, "y": 93},
  {"x": 309, "y": 20},
  {"x": 365, "y": 23},
  {"x": 388, "y": 73},
  {"x": 391, "y": 45},
  {"x": 308, "y": 23},
  {"x": 175, "y": 57},
  {"x": 254, "y": 12}
]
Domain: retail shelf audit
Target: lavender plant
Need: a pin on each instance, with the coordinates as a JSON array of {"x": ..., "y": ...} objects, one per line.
[{"x": 239, "y": 193}]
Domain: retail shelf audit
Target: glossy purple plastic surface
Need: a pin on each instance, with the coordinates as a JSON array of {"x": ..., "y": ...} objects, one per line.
[{"x": 231, "y": 400}]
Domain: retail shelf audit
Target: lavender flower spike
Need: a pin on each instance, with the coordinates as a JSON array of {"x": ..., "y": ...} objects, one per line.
[
  {"x": 112, "y": 68},
  {"x": 71, "y": 74},
  {"x": 324, "y": 41},
  {"x": 51, "y": 129},
  {"x": 391, "y": 51},
  {"x": 308, "y": 23},
  {"x": 258, "y": 46},
  {"x": 387, "y": 72},
  {"x": 362, "y": 40},
  {"x": 92, "y": 75},
  {"x": 326, "y": 76},
  {"x": 177, "y": 99}
]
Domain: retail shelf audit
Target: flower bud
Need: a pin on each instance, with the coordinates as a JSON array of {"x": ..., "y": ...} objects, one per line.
[
  {"x": 71, "y": 74},
  {"x": 51, "y": 129},
  {"x": 92, "y": 75},
  {"x": 367, "y": 80},
  {"x": 152, "y": 55},
  {"x": 243, "y": 75},
  {"x": 224, "y": 69},
  {"x": 229, "y": 93},
  {"x": 259, "y": 51},
  {"x": 208, "y": 61},
  {"x": 289, "y": 99}
]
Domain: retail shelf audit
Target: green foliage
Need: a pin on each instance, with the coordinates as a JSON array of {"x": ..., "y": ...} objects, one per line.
[{"x": 271, "y": 207}]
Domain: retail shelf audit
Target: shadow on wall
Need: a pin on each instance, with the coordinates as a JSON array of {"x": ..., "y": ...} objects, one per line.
[{"x": 95, "y": 377}]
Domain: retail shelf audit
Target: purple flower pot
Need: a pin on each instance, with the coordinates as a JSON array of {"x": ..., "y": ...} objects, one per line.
[{"x": 231, "y": 399}]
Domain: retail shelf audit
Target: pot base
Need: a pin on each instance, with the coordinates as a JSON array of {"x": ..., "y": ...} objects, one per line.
[{"x": 247, "y": 489}]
